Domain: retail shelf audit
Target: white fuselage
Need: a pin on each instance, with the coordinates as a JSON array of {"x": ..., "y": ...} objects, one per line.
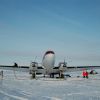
[{"x": 48, "y": 60}]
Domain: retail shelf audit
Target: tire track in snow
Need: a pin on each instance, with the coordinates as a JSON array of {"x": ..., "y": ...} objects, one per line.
[
  {"x": 51, "y": 98},
  {"x": 13, "y": 96}
]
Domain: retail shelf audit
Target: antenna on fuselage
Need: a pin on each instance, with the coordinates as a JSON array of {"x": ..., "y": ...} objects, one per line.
[
  {"x": 64, "y": 63},
  {"x": 35, "y": 58}
]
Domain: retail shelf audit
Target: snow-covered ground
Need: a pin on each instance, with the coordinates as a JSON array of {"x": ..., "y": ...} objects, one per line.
[{"x": 19, "y": 86}]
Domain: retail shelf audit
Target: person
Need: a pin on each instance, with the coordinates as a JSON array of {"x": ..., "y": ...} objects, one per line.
[
  {"x": 83, "y": 73},
  {"x": 86, "y": 73},
  {"x": 15, "y": 64}
]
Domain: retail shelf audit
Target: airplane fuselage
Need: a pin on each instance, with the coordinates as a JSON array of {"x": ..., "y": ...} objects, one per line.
[{"x": 48, "y": 60}]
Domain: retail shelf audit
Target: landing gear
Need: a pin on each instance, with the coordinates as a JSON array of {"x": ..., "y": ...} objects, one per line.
[
  {"x": 52, "y": 75},
  {"x": 61, "y": 75},
  {"x": 33, "y": 75}
]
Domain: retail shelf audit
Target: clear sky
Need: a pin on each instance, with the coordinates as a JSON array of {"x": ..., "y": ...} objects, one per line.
[{"x": 71, "y": 28}]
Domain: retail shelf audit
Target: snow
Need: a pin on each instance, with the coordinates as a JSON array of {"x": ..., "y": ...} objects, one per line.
[{"x": 19, "y": 86}]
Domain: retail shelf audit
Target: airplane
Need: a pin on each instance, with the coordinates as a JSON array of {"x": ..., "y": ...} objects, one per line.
[{"x": 47, "y": 67}]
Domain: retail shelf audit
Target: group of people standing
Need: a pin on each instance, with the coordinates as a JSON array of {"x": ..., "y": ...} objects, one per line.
[{"x": 85, "y": 74}]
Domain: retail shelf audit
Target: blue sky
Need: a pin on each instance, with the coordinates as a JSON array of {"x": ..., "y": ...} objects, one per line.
[{"x": 71, "y": 28}]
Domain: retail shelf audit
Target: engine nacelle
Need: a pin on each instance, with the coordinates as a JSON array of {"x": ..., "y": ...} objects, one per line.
[
  {"x": 63, "y": 66},
  {"x": 33, "y": 67}
]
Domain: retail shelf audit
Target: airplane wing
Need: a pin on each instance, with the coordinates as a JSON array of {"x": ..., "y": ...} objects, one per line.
[
  {"x": 41, "y": 70},
  {"x": 80, "y": 68},
  {"x": 26, "y": 68},
  {"x": 15, "y": 68}
]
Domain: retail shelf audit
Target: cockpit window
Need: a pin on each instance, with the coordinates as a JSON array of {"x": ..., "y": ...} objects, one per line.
[{"x": 48, "y": 52}]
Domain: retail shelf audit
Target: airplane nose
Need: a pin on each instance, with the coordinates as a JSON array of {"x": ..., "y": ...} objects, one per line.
[{"x": 49, "y": 59}]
